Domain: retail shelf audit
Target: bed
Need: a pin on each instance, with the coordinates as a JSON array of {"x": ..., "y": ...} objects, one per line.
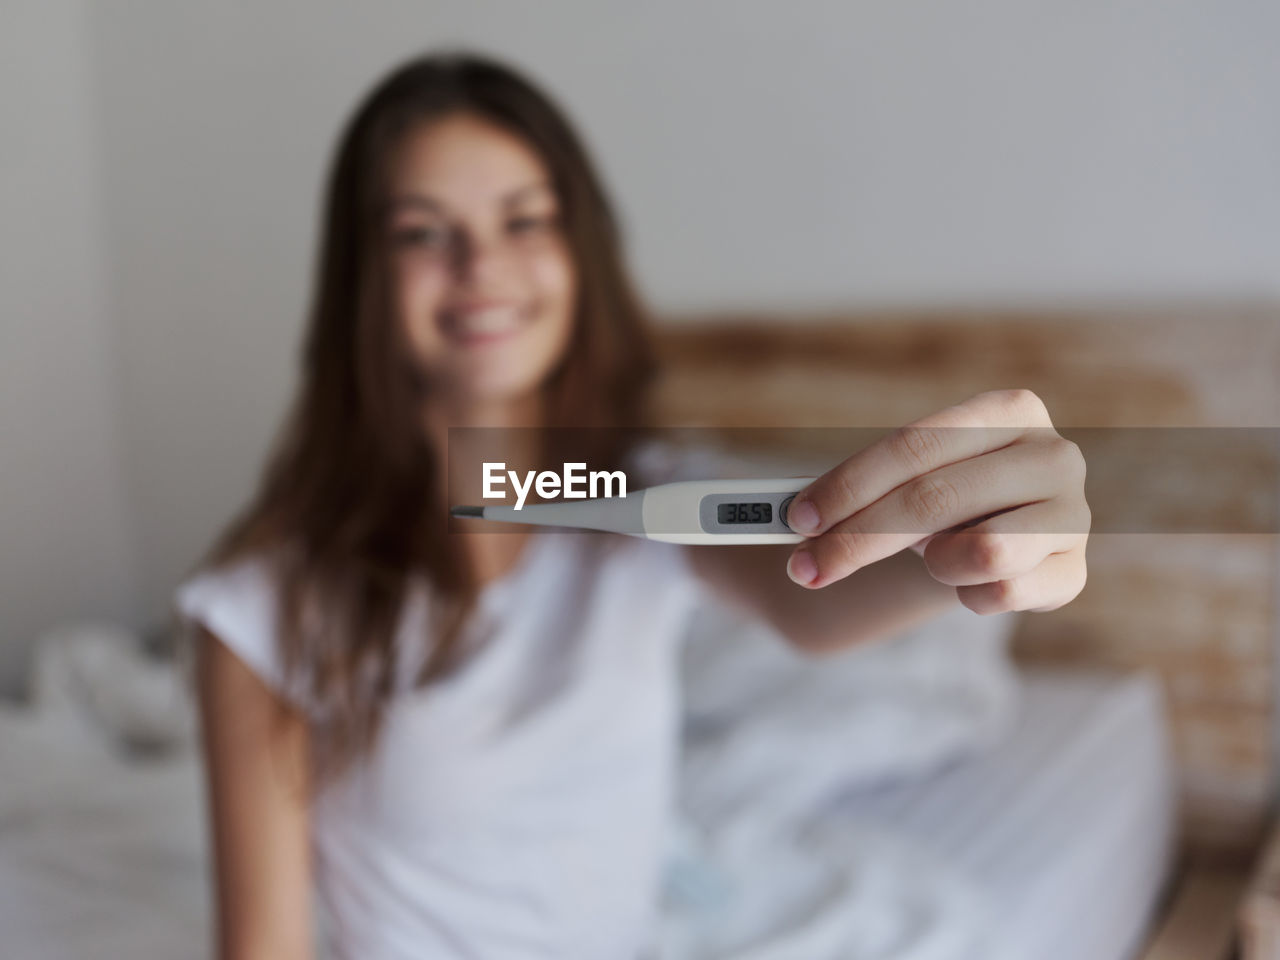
[
  {"x": 105, "y": 857},
  {"x": 1183, "y": 585},
  {"x": 1069, "y": 824},
  {"x": 99, "y": 856},
  {"x": 1084, "y": 830}
]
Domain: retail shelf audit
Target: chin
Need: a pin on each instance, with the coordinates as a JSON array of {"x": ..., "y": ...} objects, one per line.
[{"x": 502, "y": 386}]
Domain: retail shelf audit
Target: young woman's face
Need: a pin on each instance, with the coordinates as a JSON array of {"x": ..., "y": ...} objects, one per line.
[{"x": 483, "y": 277}]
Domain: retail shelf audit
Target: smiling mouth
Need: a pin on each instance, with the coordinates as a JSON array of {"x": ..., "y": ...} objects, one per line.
[{"x": 485, "y": 325}]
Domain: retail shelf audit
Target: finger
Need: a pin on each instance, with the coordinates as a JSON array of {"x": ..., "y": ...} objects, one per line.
[
  {"x": 979, "y": 425},
  {"x": 1056, "y": 581},
  {"x": 1010, "y": 477},
  {"x": 1007, "y": 546}
]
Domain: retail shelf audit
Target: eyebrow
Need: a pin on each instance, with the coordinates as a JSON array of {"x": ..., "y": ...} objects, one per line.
[{"x": 427, "y": 202}]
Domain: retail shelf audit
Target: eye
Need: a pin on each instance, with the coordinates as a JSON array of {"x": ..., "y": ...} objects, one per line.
[
  {"x": 421, "y": 236},
  {"x": 529, "y": 224}
]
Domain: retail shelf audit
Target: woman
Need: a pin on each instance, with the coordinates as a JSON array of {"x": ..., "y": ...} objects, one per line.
[{"x": 465, "y": 738}]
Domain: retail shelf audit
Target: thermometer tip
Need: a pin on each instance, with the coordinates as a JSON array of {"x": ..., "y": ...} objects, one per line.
[{"x": 466, "y": 511}]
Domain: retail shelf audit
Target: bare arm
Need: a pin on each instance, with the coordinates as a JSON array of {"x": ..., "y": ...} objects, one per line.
[
  {"x": 256, "y": 769},
  {"x": 879, "y": 600}
]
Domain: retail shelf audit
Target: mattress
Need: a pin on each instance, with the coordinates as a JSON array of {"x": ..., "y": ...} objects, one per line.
[{"x": 1069, "y": 824}]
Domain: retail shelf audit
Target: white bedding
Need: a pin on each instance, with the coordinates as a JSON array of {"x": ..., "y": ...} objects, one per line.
[
  {"x": 1050, "y": 844},
  {"x": 1054, "y": 845},
  {"x": 1069, "y": 825},
  {"x": 98, "y": 858}
]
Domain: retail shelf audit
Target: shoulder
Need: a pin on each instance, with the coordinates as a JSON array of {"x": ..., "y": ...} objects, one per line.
[
  {"x": 239, "y": 603},
  {"x": 251, "y": 574},
  {"x": 237, "y": 595}
]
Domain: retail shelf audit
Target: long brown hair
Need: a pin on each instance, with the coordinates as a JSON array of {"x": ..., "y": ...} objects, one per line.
[{"x": 349, "y": 507}]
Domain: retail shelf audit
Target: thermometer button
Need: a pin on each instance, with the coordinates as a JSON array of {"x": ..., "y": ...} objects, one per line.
[{"x": 782, "y": 510}]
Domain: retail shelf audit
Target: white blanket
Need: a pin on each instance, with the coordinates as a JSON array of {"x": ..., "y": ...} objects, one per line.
[
  {"x": 821, "y": 891},
  {"x": 769, "y": 733},
  {"x": 757, "y": 870},
  {"x": 101, "y": 855}
]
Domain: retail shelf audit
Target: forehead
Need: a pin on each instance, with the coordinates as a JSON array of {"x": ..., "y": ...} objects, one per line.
[{"x": 463, "y": 161}]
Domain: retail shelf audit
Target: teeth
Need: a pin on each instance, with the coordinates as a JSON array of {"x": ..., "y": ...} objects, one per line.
[{"x": 490, "y": 320}]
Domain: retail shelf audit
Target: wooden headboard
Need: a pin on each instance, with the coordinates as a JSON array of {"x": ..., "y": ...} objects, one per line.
[{"x": 1199, "y": 609}]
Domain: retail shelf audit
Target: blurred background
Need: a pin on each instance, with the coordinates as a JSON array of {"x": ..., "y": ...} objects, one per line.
[
  {"x": 161, "y": 170},
  {"x": 162, "y": 167}
]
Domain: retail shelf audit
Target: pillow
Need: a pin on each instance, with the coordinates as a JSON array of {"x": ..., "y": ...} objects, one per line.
[{"x": 94, "y": 682}]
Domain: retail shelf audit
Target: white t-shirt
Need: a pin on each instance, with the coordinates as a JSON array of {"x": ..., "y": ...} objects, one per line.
[{"x": 517, "y": 808}]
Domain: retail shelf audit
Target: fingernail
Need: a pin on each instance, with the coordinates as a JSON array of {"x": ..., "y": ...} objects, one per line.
[
  {"x": 802, "y": 568},
  {"x": 802, "y": 516}
]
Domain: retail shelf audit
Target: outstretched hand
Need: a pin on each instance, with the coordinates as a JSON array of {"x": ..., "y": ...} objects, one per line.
[{"x": 986, "y": 491}]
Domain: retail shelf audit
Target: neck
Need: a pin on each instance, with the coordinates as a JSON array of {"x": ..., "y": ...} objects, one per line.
[{"x": 509, "y": 434}]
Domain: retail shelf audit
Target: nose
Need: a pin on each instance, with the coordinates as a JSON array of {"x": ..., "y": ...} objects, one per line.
[{"x": 478, "y": 261}]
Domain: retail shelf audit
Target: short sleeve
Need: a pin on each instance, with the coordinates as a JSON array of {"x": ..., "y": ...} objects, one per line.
[{"x": 239, "y": 604}]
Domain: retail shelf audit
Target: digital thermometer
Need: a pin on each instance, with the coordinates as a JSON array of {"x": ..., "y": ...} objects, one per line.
[{"x": 690, "y": 511}]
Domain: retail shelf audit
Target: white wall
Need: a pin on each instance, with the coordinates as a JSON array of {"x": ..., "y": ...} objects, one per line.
[
  {"x": 65, "y": 535},
  {"x": 763, "y": 154}
]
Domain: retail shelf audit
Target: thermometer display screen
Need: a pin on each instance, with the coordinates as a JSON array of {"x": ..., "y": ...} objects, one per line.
[{"x": 744, "y": 512}]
